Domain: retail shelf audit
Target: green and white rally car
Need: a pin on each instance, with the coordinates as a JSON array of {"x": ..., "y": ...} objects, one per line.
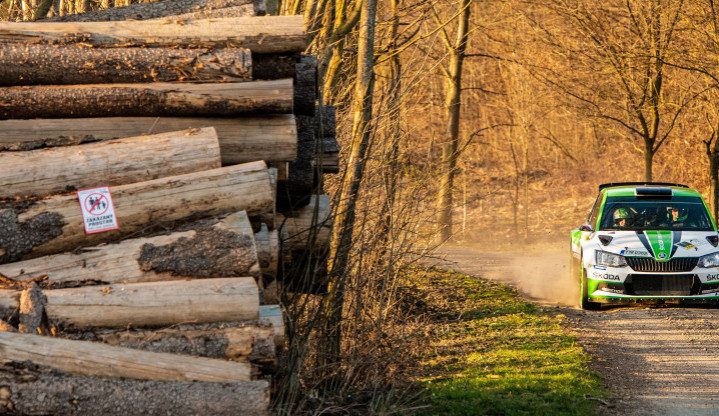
[{"x": 646, "y": 241}]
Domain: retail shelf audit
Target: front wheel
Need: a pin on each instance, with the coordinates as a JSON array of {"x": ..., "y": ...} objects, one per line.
[{"x": 584, "y": 301}]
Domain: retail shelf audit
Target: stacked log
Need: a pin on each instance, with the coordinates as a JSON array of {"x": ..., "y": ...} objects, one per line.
[{"x": 194, "y": 122}]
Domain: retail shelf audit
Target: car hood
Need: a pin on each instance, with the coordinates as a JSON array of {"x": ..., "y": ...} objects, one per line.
[{"x": 660, "y": 245}]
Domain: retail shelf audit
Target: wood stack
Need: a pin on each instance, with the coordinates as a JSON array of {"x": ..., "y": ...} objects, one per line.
[{"x": 190, "y": 113}]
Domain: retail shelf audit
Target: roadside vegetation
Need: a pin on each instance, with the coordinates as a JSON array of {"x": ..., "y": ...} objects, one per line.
[
  {"x": 490, "y": 353},
  {"x": 457, "y": 345}
]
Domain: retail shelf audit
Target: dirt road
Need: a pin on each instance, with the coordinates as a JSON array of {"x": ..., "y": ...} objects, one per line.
[{"x": 655, "y": 361}]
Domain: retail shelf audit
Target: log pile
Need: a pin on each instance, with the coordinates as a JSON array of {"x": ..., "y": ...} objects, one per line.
[{"x": 187, "y": 134}]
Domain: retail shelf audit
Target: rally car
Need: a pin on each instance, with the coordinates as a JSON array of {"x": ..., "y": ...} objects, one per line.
[{"x": 646, "y": 241}]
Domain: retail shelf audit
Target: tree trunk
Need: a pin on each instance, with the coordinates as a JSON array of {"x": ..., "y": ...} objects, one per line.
[
  {"x": 453, "y": 103},
  {"x": 225, "y": 249},
  {"x": 648, "y": 160},
  {"x": 54, "y": 225},
  {"x": 150, "y": 304},
  {"x": 151, "y": 99},
  {"x": 117, "y": 162},
  {"x": 270, "y": 137},
  {"x": 74, "y": 64},
  {"x": 153, "y": 10},
  {"x": 266, "y": 34},
  {"x": 98, "y": 360},
  {"x": 712, "y": 152},
  {"x": 345, "y": 213}
]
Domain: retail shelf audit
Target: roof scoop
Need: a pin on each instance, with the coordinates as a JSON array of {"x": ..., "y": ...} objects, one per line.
[
  {"x": 605, "y": 239},
  {"x": 653, "y": 191}
]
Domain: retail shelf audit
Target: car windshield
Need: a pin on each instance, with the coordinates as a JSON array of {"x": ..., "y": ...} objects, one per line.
[{"x": 631, "y": 213}]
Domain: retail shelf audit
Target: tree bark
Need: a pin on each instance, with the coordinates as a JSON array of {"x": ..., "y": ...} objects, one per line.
[
  {"x": 152, "y": 10},
  {"x": 326, "y": 121},
  {"x": 151, "y": 99},
  {"x": 274, "y": 66},
  {"x": 54, "y": 225},
  {"x": 150, "y": 304},
  {"x": 247, "y": 10},
  {"x": 117, "y": 162},
  {"x": 98, "y": 360},
  {"x": 34, "y": 392},
  {"x": 266, "y": 34},
  {"x": 225, "y": 249},
  {"x": 300, "y": 184},
  {"x": 306, "y": 85},
  {"x": 243, "y": 342},
  {"x": 32, "y": 309},
  {"x": 74, "y": 64},
  {"x": 648, "y": 159},
  {"x": 270, "y": 137}
]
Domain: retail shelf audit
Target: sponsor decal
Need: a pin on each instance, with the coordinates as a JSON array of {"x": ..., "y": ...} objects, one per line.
[
  {"x": 699, "y": 243},
  {"x": 687, "y": 245},
  {"x": 598, "y": 267},
  {"x": 605, "y": 276},
  {"x": 634, "y": 253},
  {"x": 712, "y": 277}
]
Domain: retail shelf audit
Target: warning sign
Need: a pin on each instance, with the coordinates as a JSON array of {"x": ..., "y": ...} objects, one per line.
[{"x": 98, "y": 212}]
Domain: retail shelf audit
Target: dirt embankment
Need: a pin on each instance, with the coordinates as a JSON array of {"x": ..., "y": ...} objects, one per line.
[{"x": 655, "y": 361}]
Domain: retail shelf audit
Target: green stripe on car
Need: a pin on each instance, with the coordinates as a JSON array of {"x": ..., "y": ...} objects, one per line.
[{"x": 661, "y": 242}]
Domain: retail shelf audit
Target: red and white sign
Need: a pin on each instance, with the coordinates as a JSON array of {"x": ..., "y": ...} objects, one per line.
[{"x": 98, "y": 211}]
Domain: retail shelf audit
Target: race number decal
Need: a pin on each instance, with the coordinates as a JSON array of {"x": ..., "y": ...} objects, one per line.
[{"x": 98, "y": 212}]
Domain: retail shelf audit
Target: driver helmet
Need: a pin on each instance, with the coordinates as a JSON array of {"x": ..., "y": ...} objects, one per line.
[
  {"x": 621, "y": 213},
  {"x": 682, "y": 214}
]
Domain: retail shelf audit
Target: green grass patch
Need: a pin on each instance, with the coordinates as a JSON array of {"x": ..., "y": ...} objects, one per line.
[{"x": 493, "y": 354}]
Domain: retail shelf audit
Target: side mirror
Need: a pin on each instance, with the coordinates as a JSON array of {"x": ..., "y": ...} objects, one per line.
[{"x": 585, "y": 227}]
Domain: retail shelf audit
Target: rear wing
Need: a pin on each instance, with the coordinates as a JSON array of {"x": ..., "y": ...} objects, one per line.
[{"x": 613, "y": 184}]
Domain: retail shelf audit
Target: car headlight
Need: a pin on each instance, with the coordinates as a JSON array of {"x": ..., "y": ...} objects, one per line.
[
  {"x": 710, "y": 260},
  {"x": 610, "y": 259}
]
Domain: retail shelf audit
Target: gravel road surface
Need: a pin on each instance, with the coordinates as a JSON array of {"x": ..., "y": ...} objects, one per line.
[{"x": 654, "y": 360}]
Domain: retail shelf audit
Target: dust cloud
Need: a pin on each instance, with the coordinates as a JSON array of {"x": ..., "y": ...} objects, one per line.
[{"x": 540, "y": 274}]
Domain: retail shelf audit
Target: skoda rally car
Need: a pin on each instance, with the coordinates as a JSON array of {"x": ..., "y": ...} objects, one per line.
[{"x": 646, "y": 241}]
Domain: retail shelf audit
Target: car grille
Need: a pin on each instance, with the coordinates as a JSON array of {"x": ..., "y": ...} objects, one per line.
[
  {"x": 663, "y": 284},
  {"x": 643, "y": 264}
]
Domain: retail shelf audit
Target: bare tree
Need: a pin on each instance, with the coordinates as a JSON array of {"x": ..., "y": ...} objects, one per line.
[
  {"x": 345, "y": 209},
  {"x": 453, "y": 105},
  {"x": 617, "y": 52}
]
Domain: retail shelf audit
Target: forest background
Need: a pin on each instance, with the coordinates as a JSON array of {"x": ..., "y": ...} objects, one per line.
[{"x": 490, "y": 122}]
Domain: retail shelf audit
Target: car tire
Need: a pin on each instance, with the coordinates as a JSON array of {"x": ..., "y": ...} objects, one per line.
[{"x": 584, "y": 301}]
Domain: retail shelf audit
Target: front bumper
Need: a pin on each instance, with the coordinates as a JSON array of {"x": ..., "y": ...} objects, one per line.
[{"x": 622, "y": 284}]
